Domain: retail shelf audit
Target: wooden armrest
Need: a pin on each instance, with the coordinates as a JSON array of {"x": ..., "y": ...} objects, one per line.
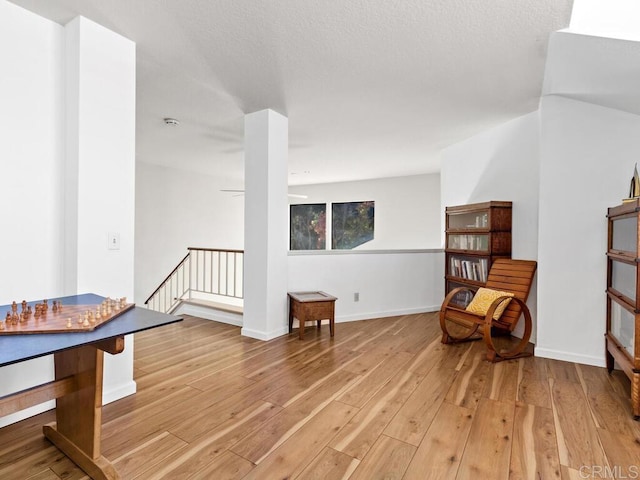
[
  {"x": 488, "y": 318},
  {"x": 449, "y": 297}
]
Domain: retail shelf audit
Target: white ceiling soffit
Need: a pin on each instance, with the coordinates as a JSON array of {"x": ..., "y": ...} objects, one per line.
[{"x": 372, "y": 88}]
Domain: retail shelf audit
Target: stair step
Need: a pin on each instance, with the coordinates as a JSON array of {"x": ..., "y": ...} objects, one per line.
[{"x": 225, "y": 307}]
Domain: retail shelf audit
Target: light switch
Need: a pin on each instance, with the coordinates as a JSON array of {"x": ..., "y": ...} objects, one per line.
[{"x": 114, "y": 241}]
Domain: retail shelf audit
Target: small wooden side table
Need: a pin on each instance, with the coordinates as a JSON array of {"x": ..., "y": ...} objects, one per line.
[{"x": 310, "y": 306}]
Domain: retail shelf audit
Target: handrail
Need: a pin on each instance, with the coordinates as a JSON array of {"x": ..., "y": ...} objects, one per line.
[
  {"x": 215, "y": 250},
  {"x": 204, "y": 274},
  {"x": 163, "y": 283}
]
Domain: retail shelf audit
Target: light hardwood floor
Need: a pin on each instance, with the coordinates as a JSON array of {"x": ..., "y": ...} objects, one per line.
[{"x": 383, "y": 399}]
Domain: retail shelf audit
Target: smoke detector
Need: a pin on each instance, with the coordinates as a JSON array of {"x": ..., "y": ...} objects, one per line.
[{"x": 171, "y": 121}]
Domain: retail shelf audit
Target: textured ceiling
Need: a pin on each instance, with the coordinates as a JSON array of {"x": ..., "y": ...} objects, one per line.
[{"x": 372, "y": 88}]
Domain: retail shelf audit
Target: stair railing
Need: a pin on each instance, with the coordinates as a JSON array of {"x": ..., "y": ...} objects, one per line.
[{"x": 204, "y": 273}]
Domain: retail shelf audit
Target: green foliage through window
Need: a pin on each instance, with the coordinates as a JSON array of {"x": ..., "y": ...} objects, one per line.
[
  {"x": 307, "y": 226},
  {"x": 351, "y": 224}
]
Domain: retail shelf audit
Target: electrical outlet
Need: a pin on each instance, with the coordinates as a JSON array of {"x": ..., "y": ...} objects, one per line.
[
  {"x": 356, "y": 297},
  {"x": 113, "y": 241}
]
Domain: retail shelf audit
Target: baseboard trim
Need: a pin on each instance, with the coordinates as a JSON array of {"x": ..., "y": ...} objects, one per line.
[
  {"x": 389, "y": 313},
  {"x": 260, "y": 335},
  {"x": 570, "y": 357},
  {"x": 124, "y": 390}
]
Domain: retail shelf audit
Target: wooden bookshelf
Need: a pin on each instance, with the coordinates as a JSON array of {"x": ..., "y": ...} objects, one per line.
[
  {"x": 622, "y": 338},
  {"x": 476, "y": 234}
]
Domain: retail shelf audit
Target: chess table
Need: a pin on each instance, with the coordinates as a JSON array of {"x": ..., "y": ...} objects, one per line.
[{"x": 79, "y": 357}]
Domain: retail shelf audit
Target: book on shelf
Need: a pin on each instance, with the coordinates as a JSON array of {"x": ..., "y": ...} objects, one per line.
[{"x": 476, "y": 269}]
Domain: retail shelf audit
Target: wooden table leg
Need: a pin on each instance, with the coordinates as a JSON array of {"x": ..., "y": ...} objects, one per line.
[{"x": 79, "y": 413}]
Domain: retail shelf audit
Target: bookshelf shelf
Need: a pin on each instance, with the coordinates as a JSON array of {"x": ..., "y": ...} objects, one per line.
[
  {"x": 476, "y": 234},
  {"x": 622, "y": 338}
]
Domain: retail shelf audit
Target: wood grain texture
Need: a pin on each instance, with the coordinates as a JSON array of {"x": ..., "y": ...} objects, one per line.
[
  {"x": 330, "y": 463},
  {"x": 438, "y": 456},
  {"x": 578, "y": 441},
  {"x": 388, "y": 459},
  {"x": 360, "y": 434},
  {"x": 535, "y": 450},
  {"x": 488, "y": 449},
  {"x": 210, "y": 404}
]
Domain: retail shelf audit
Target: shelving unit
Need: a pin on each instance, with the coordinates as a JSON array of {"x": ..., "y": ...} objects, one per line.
[
  {"x": 622, "y": 338},
  {"x": 476, "y": 234}
]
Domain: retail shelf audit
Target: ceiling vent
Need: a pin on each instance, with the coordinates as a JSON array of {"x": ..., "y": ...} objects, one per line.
[{"x": 171, "y": 121}]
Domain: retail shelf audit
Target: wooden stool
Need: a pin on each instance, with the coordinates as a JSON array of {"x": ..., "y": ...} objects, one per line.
[{"x": 310, "y": 306}]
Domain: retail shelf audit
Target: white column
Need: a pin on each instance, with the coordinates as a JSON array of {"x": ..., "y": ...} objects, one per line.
[
  {"x": 100, "y": 175},
  {"x": 265, "y": 225}
]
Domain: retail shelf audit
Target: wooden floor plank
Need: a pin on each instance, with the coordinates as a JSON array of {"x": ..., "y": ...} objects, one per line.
[
  {"x": 414, "y": 417},
  {"x": 291, "y": 458},
  {"x": 502, "y": 381},
  {"x": 533, "y": 383},
  {"x": 488, "y": 449},
  {"x": 388, "y": 459},
  {"x": 578, "y": 442},
  {"x": 605, "y": 403},
  {"x": 374, "y": 380},
  {"x": 282, "y": 426},
  {"x": 438, "y": 456},
  {"x": 206, "y": 449},
  {"x": 535, "y": 449},
  {"x": 227, "y": 466},
  {"x": 147, "y": 455},
  {"x": 623, "y": 453},
  {"x": 362, "y": 432},
  {"x": 469, "y": 385},
  {"x": 329, "y": 463}
]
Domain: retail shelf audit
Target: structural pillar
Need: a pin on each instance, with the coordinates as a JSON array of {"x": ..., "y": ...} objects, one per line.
[{"x": 265, "y": 225}]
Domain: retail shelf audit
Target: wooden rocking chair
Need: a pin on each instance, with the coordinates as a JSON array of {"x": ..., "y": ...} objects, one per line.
[{"x": 506, "y": 275}]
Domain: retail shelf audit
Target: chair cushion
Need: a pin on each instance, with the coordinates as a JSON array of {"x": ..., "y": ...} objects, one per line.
[{"x": 483, "y": 299}]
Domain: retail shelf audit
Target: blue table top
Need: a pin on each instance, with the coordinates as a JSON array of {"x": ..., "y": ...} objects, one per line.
[{"x": 18, "y": 348}]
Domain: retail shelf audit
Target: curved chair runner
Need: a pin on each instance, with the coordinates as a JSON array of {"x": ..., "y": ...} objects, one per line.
[{"x": 507, "y": 275}]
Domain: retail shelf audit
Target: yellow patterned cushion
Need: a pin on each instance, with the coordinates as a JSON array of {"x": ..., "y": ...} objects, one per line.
[{"x": 483, "y": 299}]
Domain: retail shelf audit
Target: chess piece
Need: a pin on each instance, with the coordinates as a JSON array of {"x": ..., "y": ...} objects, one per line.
[
  {"x": 80, "y": 319},
  {"x": 59, "y": 305},
  {"x": 14, "y": 307},
  {"x": 1, "y": 325},
  {"x": 8, "y": 319},
  {"x": 85, "y": 323},
  {"x": 69, "y": 322},
  {"x": 97, "y": 313},
  {"x": 55, "y": 306},
  {"x": 24, "y": 305},
  {"x": 46, "y": 305}
]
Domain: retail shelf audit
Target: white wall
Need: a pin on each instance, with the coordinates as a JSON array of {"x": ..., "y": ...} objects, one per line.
[
  {"x": 99, "y": 184},
  {"x": 500, "y": 164},
  {"x": 587, "y": 158},
  {"x": 33, "y": 149},
  {"x": 389, "y": 283},
  {"x": 31, "y": 163},
  {"x": 407, "y": 209},
  {"x": 176, "y": 209}
]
